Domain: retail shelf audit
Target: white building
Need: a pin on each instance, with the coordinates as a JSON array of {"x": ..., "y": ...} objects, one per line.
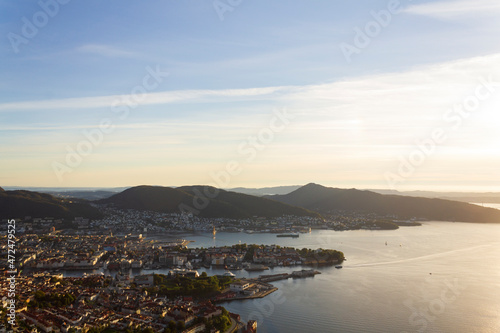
[{"x": 239, "y": 286}]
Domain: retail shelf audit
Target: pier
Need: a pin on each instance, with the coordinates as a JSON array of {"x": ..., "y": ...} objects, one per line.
[
  {"x": 263, "y": 286},
  {"x": 284, "y": 276}
]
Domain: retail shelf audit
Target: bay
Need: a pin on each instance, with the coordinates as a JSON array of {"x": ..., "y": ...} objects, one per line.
[{"x": 440, "y": 277}]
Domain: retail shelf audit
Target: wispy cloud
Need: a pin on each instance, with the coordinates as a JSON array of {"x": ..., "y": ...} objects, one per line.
[
  {"x": 183, "y": 126},
  {"x": 105, "y": 51},
  {"x": 165, "y": 97},
  {"x": 456, "y": 9},
  {"x": 347, "y": 131},
  {"x": 388, "y": 93}
]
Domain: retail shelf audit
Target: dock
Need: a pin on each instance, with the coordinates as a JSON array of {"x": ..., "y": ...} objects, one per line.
[
  {"x": 260, "y": 294},
  {"x": 284, "y": 276},
  {"x": 265, "y": 288}
]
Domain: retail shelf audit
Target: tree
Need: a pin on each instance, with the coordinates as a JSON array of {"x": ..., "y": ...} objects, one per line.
[
  {"x": 158, "y": 279},
  {"x": 222, "y": 323},
  {"x": 39, "y": 295},
  {"x": 225, "y": 312}
]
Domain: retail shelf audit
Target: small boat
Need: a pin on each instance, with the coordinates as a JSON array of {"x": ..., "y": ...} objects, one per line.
[
  {"x": 235, "y": 267},
  {"x": 338, "y": 266},
  {"x": 228, "y": 273},
  {"x": 256, "y": 268}
]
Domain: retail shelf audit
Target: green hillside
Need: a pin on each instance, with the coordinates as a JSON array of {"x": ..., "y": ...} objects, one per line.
[
  {"x": 18, "y": 204},
  {"x": 326, "y": 200},
  {"x": 199, "y": 199}
]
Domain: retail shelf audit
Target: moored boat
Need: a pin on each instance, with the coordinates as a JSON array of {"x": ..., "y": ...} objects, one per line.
[
  {"x": 228, "y": 273},
  {"x": 293, "y": 235},
  {"x": 256, "y": 268}
]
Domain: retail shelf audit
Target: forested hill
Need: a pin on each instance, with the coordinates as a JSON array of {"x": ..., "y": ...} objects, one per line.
[
  {"x": 326, "y": 199},
  {"x": 18, "y": 204},
  {"x": 205, "y": 201}
]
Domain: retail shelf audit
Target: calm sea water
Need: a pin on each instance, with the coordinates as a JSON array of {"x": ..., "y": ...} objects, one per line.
[
  {"x": 440, "y": 277},
  {"x": 491, "y": 205}
]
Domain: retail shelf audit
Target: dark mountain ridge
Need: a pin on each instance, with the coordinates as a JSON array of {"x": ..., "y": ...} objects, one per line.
[
  {"x": 310, "y": 200},
  {"x": 205, "y": 201},
  {"x": 326, "y": 199},
  {"x": 474, "y": 197},
  {"x": 18, "y": 204}
]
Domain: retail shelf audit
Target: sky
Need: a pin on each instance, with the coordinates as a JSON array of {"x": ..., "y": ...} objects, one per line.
[{"x": 391, "y": 94}]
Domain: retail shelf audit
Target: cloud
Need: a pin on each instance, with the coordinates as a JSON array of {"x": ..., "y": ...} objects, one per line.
[
  {"x": 165, "y": 97},
  {"x": 106, "y": 51},
  {"x": 458, "y": 9},
  {"x": 354, "y": 129},
  {"x": 389, "y": 93}
]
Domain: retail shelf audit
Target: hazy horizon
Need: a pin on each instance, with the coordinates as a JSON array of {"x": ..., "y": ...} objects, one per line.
[{"x": 92, "y": 188}]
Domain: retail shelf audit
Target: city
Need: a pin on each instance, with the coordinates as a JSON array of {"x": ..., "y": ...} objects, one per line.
[{"x": 126, "y": 298}]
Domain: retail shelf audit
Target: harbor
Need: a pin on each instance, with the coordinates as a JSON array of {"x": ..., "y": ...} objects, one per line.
[{"x": 260, "y": 287}]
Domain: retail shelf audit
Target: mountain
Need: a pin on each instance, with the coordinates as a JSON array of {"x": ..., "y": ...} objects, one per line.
[
  {"x": 18, "y": 204},
  {"x": 326, "y": 200},
  {"x": 195, "y": 198},
  {"x": 250, "y": 205},
  {"x": 154, "y": 198},
  {"x": 474, "y": 197}
]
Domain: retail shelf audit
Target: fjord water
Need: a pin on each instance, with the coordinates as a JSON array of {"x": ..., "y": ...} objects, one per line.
[{"x": 439, "y": 277}]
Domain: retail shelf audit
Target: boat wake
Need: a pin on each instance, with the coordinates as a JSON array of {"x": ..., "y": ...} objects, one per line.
[{"x": 420, "y": 258}]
